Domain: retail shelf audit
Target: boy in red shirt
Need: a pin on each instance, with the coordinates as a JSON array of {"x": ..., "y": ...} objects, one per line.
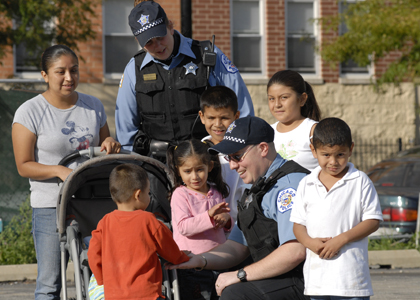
[{"x": 123, "y": 251}]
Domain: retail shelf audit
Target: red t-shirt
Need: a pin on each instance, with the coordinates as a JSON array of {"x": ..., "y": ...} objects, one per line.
[{"x": 123, "y": 254}]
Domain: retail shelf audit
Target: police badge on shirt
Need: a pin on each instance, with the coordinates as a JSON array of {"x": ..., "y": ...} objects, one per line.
[{"x": 285, "y": 199}]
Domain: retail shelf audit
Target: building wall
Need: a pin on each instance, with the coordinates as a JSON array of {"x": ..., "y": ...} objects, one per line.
[
  {"x": 276, "y": 37},
  {"x": 6, "y": 64},
  {"x": 328, "y": 8},
  {"x": 371, "y": 115},
  {"x": 212, "y": 17},
  {"x": 91, "y": 66}
]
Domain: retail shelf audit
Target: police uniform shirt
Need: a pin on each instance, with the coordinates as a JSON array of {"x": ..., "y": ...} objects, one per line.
[
  {"x": 276, "y": 204},
  {"x": 224, "y": 73}
]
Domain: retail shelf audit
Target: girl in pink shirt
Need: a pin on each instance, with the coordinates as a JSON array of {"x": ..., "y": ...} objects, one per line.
[{"x": 199, "y": 213}]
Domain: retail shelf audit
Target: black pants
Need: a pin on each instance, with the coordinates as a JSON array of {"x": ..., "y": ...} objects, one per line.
[
  {"x": 267, "y": 289},
  {"x": 197, "y": 285}
]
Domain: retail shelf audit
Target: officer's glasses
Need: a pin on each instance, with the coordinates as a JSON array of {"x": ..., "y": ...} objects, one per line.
[{"x": 239, "y": 157}]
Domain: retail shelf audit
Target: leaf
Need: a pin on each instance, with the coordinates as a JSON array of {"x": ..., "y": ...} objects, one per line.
[
  {"x": 41, "y": 23},
  {"x": 376, "y": 27}
]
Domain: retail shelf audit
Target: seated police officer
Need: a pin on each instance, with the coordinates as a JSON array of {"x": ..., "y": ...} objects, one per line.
[{"x": 263, "y": 228}]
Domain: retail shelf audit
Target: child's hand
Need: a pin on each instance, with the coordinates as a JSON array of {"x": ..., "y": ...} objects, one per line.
[
  {"x": 318, "y": 244},
  {"x": 218, "y": 209},
  {"x": 222, "y": 220},
  {"x": 331, "y": 248}
]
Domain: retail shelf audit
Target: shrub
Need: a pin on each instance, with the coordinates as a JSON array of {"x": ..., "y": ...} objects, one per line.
[
  {"x": 16, "y": 242},
  {"x": 389, "y": 243}
]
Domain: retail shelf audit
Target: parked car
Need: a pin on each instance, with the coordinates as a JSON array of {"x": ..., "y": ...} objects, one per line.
[
  {"x": 414, "y": 151},
  {"x": 397, "y": 182}
]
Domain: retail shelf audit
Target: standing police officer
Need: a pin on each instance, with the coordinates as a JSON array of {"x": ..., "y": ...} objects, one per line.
[{"x": 158, "y": 99}]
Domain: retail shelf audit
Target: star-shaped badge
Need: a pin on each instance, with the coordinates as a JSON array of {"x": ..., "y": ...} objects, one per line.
[
  {"x": 144, "y": 19},
  {"x": 190, "y": 68},
  {"x": 231, "y": 127}
]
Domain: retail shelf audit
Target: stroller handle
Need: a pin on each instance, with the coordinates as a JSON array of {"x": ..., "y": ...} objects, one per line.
[{"x": 91, "y": 152}]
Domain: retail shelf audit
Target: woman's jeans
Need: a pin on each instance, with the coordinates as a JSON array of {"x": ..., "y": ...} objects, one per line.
[{"x": 47, "y": 247}]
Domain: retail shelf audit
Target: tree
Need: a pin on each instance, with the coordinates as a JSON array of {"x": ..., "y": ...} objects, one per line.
[
  {"x": 40, "y": 23},
  {"x": 375, "y": 29}
]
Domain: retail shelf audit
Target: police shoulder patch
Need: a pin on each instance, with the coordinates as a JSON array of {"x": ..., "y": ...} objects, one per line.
[
  {"x": 285, "y": 199},
  {"x": 229, "y": 66}
]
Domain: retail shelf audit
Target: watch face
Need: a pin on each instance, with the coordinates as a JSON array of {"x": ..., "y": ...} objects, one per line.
[{"x": 242, "y": 275}]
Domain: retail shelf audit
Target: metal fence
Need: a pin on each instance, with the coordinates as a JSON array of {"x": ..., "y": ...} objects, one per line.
[
  {"x": 13, "y": 188},
  {"x": 366, "y": 153}
]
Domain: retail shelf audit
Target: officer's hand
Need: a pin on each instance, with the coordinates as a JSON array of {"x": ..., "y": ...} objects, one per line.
[
  {"x": 224, "y": 280},
  {"x": 196, "y": 261},
  {"x": 222, "y": 220}
]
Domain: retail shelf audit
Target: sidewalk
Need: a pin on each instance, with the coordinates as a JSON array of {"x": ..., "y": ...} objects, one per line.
[
  {"x": 388, "y": 284},
  {"x": 394, "y": 259}
]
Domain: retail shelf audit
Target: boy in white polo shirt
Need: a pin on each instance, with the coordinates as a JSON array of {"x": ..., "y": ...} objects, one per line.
[{"x": 335, "y": 209}]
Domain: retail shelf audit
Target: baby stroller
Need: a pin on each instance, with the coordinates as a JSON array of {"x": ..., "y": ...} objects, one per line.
[{"x": 85, "y": 196}]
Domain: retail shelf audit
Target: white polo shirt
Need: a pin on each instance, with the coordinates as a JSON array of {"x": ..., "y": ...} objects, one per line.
[{"x": 350, "y": 201}]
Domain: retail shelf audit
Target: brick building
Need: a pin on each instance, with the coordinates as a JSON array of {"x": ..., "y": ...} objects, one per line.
[{"x": 261, "y": 37}]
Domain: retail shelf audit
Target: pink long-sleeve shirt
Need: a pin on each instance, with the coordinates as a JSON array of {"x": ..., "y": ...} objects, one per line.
[{"x": 193, "y": 229}]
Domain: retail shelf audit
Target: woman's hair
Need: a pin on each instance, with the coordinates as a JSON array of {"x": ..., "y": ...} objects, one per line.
[
  {"x": 125, "y": 179},
  {"x": 177, "y": 155},
  {"x": 137, "y": 2},
  {"x": 295, "y": 81},
  {"x": 53, "y": 53}
]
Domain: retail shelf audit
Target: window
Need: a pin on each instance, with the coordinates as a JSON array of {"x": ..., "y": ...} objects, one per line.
[
  {"x": 27, "y": 63},
  {"x": 120, "y": 44},
  {"x": 413, "y": 176},
  {"x": 350, "y": 66},
  {"x": 391, "y": 175},
  {"x": 247, "y": 34},
  {"x": 301, "y": 36}
]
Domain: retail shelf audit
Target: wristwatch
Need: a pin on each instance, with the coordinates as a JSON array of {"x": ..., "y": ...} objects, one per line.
[{"x": 242, "y": 275}]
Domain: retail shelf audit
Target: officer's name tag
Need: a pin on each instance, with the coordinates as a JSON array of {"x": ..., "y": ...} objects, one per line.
[
  {"x": 285, "y": 199},
  {"x": 147, "y": 77}
]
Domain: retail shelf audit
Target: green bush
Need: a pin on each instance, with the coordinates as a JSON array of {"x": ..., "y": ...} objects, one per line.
[
  {"x": 16, "y": 242},
  {"x": 389, "y": 243}
]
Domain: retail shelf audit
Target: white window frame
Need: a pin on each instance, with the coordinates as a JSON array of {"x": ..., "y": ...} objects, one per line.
[
  {"x": 261, "y": 35},
  {"x": 316, "y": 35},
  {"x": 109, "y": 75},
  {"x": 353, "y": 78}
]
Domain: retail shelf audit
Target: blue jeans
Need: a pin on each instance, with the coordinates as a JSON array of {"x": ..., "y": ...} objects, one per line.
[
  {"x": 47, "y": 247},
  {"x": 338, "y": 298}
]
